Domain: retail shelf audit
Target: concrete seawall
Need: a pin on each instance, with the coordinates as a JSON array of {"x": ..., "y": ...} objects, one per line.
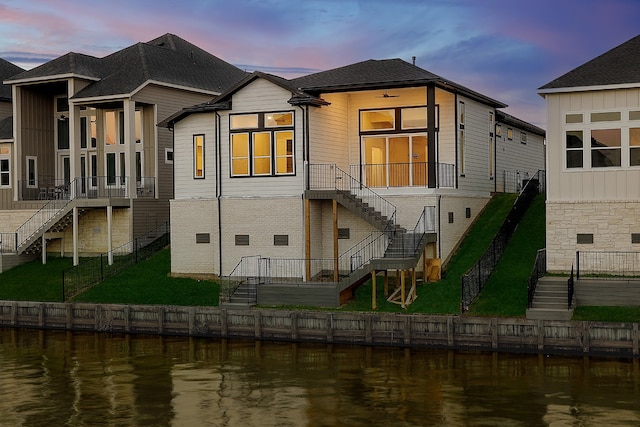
[{"x": 380, "y": 329}]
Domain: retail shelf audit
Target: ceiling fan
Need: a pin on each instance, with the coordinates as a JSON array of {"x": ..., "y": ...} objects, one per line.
[{"x": 386, "y": 95}]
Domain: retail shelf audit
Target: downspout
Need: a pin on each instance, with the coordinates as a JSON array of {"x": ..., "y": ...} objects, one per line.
[
  {"x": 219, "y": 190},
  {"x": 495, "y": 152},
  {"x": 439, "y": 227},
  {"x": 457, "y": 131},
  {"x": 306, "y": 184}
]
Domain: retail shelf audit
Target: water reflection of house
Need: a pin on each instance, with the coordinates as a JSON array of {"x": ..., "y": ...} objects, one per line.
[
  {"x": 298, "y": 169},
  {"x": 86, "y": 149}
]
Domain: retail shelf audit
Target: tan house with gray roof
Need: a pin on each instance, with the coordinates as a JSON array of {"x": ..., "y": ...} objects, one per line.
[{"x": 87, "y": 156}]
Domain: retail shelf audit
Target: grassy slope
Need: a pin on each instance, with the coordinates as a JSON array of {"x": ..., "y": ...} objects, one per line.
[
  {"x": 443, "y": 297},
  {"x": 34, "y": 281},
  {"x": 505, "y": 294}
]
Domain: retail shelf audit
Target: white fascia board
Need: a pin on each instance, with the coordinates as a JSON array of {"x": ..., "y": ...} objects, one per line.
[
  {"x": 589, "y": 88},
  {"x": 173, "y": 86},
  {"x": 53, "y": 78}
]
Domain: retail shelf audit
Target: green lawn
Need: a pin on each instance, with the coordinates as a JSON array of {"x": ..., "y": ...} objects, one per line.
[
  {"x": 505, "y": 293},
  {"x": 145, "y": 283},
  {"x": 443, "y": 297}
]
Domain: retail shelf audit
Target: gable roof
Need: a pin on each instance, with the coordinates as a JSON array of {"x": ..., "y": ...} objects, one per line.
[
  {"x": 618, "y": 67},
  {"x": 166, "y": 60},
  {"x": 223, "y": 101},
  {"x": 382, "y": 74},
  {"x": 505, "y": 118},
  {"x": 7, "y": 69}
]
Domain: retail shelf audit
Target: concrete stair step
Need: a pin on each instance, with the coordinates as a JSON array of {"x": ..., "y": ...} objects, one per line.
[{"x": 549, "y": 314}]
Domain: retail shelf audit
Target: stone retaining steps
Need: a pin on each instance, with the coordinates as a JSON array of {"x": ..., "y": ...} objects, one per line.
[{"x": 550, "y": 300}]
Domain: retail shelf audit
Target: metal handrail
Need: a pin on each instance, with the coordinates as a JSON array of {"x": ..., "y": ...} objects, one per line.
[
  {"x": 539, "y": 270},
  {"x": 607, "y": 264},
  {"x": 331, "y": 177}
]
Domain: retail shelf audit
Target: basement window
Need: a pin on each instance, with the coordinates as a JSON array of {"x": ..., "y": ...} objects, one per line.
[
  {"x": 242, "y": 240},
  {"x": 280, "y": 240},
  {"x": 203, "y": 238},
  {"x": 344, "y": 233}
]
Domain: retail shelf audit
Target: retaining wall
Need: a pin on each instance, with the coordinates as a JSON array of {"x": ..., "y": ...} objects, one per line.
[{"x": 384, "y": 329}]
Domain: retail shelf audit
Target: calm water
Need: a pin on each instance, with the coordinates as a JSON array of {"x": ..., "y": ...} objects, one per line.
[{"x": 82, "y": 379}]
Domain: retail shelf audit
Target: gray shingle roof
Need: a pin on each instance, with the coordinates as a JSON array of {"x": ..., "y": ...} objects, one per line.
[
  {"x": 382, "y": 74},
  {"x": 620, "y": 65},
  {"x": 503, "y": 117},
  {"x": 167, "y": 59},
  {"x": 6, "y": 128},
  {"x": 7, "y": 69}
]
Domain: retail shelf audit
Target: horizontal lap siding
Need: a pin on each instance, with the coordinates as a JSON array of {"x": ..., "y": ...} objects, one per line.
[
  {"x": 476, "y": 174},
  {"x": 167, "y": 101},
  {"x": 512, "y": 155},
  {"x": 186, "y": 185},
  {"x": 447, "y": 127},
  {"x": 262, "y": 96},
  {"x": 328, "y": 126}
]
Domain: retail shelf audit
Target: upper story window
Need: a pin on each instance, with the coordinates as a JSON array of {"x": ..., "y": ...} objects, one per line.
[
  {"x": 262, "y": 144},
  {"x": 509, "y": 133},
  {"x": 5, "y": 167},
  {"x": 88, "y": 128},
  {"x": 198, "y": 156},
  {"x": 62, "y": 122},
  {"x": 115, "y": 128},
  {"x": 613, "y": 139},
  {"x": 523, "y": 137},
  {"x": 498, "y": 130},
  {"x": 377, "y": 120}
]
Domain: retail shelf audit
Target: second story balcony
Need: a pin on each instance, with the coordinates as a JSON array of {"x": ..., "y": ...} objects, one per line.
[
  {"x": 92, "y": 187},
  {"x": 395, "y": 175}
]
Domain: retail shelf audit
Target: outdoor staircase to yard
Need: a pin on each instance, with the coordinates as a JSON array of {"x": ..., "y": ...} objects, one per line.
[{"x": 550, "y": 300}]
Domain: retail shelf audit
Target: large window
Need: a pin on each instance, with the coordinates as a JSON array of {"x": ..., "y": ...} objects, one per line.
[
  {"x": 262, "y": 144},
  {"x": 612, "y": 139},
  {"x": 32, "y": 172},
  {"x": 198, "y": 156},
  {"x": 5, "y": 167}
]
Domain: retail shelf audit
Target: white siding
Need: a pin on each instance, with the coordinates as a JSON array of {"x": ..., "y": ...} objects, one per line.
[
  {"x": 447, "y": 124},
  {"x": 476, "y": 146},
  {"x": 513, "y": 156},
  {"x": 328, "y": 140},
  {"x": 262, "y": 96},
  {"x": 186, "y": 186}
]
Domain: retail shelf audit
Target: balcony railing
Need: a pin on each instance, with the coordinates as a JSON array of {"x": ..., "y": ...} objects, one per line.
[
  {"x": 93, "y": 187},
  {"x": 394, "y": 175}
]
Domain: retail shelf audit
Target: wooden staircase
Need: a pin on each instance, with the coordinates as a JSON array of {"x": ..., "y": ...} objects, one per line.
[{"x": 550, "y": 301}]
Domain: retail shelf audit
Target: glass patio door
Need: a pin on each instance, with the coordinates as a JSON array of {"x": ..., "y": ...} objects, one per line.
[{"x": 395, "y": 161}]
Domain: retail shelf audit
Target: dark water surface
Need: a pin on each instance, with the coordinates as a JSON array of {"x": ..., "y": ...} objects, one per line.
[{"x": 51, "y": 378}]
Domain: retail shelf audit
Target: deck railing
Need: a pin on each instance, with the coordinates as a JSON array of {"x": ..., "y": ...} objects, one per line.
[
  {"x": 331, "y": 177},
  {"x": 91, "y": 187},
  {"x": 388, "y": 175},
  {"x": 607, "y": 264}
]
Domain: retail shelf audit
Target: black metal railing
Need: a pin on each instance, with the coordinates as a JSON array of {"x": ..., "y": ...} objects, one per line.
[
  {"x": 539, "y": 270},
  {"x": 476, "y": 277},
  {"x": 331, "y": 177},
  {"x": 387, "y": 175},
  {"x": 607, "y": 264},
  {"x": 90, "y": 272},
  {"x": 570, "y": 289},
  {"x": 406, "y": 245},
  {"x": 91, "y": 187}
]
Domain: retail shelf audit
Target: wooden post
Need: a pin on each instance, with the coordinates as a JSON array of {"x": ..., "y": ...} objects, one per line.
[
  {"x": 335, "y": 240},
  {"x": 374, "y": 302},
  {"x": 413, "y": 283},
  {"x": 386, "y": 283},
  {"x": 307, "y": 238},
  {"x": 402, "y": 289}
]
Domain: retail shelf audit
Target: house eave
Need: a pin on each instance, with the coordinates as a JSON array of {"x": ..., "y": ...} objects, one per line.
[
  {"x": 594, "y": 88},
  {"x": 52, "y": 79}
]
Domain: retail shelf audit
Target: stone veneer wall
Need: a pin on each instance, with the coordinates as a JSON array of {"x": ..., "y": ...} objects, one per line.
[{"x": 611, "y": 224}]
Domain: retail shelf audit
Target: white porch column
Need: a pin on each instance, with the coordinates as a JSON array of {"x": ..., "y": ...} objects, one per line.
[
  {"x": 130, "y": 145},
  {"x": 110, "y": 234},
  {"x": 74, "y": 139},
  {"x": 16, "y": 149},
  {"x": 76, "y": 259}
]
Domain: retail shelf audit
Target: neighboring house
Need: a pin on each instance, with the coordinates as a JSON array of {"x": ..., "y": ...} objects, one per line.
[
  {"x": 283, "y": 169},
  {"x": 7, "y": 69},
  {"x": 86, "y": 148},
  {"x": 593, "y": 161}
]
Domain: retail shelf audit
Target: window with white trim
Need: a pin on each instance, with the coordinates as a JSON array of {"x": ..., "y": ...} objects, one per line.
[
  {"x": 262, "y": 144},
  {"x": 492, "y": 145},
  {"x": 32, "y": 172},
  {"x": 461, "y": 136}
]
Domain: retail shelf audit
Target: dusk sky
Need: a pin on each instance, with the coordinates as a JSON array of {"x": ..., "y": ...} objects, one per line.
[{"x": 504, "y": 49}]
